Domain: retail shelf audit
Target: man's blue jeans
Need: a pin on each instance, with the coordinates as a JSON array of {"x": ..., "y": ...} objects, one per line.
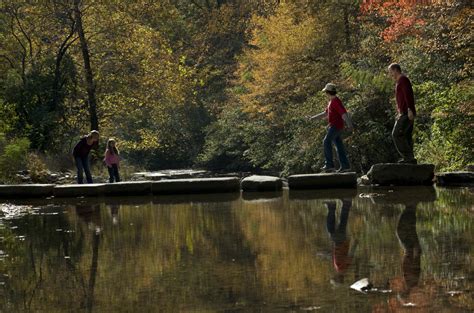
[
  {"x": 334, "y": 135},
  {"x": 82, "y": 165}
]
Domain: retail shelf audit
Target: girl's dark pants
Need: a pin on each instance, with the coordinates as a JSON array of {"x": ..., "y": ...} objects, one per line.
[
  {"x": 82, "y": 164},
  {"x": 334, "y": 135},
  {"x": 113, "y": 173}
]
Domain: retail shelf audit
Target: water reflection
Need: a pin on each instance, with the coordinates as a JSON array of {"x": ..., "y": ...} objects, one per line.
[
  {"x": 266, "y": 253},
  {"x": 342, "y": 253},
  {"x": 90, "y": 214},
  {"x": 114, "y": 210}
]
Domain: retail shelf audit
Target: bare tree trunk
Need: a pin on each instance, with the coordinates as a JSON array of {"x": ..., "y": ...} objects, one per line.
[{"x": 87, "y": 67}]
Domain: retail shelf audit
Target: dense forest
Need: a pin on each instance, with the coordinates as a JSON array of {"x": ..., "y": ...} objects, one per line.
[{"x": 226, "y": 84}]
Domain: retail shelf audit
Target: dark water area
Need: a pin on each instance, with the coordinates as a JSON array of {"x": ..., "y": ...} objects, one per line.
[{"x": 273, "y": 252}]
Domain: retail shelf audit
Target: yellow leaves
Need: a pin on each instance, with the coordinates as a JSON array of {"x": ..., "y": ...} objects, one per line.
[{"x": 280, "y": 67}]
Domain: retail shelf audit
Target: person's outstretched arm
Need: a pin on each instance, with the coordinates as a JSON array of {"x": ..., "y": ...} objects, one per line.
[{"x": 317, "y": 116}]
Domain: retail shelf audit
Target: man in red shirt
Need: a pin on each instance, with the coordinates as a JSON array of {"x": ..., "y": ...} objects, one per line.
[
  {"x": 336, "y": 115},
  {"x": 403, "y": 129}
]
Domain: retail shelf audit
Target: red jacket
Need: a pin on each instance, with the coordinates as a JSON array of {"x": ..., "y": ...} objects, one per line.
[{"x": 404, "y": 95}]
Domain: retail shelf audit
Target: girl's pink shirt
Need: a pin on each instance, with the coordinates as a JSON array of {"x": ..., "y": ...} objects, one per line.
[{"x": 111, "y": 159}]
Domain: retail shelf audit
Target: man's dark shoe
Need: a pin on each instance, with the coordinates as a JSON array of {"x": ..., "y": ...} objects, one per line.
[
  {"x": 344, "y": 170},
  {"x": 403, "y": 161},
  {"x": 327, "y": 169}
]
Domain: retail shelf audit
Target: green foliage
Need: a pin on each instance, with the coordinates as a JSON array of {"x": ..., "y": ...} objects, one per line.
[
  {"x": 13, "y": 156},
  {"x": 449, "y": 141},
  {"x": 226, "y": 84},
  {"x": 37, "y": 169}
]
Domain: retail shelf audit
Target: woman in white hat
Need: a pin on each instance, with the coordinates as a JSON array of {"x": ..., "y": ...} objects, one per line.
[{"x": 336, "y": 114}]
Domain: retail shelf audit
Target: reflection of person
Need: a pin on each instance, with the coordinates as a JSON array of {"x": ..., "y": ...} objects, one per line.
[
  {"x": 342, "y": 254},
  {"x": 114, "y": 208},
  {"x": 90, "y": 214},
  {"x": 406, "y": 232}
]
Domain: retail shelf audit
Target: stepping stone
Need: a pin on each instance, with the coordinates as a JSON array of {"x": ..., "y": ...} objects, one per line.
[
  {"x": 80, "y": 190},
  {"x": 261, "y": 183},
  {"x": 196, "y": 185},
  {"x": 322, "y": 181},
  {"x": 462, "y": 178},
  {"x": 132, "y": 188},
  {"x": 26, "y": 191},
  {"x": 386, "y": 174},
  {"x": 172, "y": 174}
]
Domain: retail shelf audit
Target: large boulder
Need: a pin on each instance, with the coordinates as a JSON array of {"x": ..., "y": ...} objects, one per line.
[
  {"x": 26, "y": 191},
  {"x": 261, "y": 183},
  {"x": 80, "y": 190},
  {"x": 322, "y": 181},
  {"x": 463, "y": 178},
  {"x": 196, "y": 185},
  {"x": 132, "y": 188},
  {"x": 398, "y": 174}
]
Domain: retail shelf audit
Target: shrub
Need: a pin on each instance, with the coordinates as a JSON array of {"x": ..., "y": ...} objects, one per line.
[{"x": 13, "y": 156}]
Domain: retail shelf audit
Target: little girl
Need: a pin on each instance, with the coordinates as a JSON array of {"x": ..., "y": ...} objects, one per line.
[{"x": 112, "y": 160}]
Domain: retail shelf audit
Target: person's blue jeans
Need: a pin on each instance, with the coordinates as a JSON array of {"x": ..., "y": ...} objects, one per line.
[
  {"x": 334, "y": 135},
  {"x": 82, "y": 165}
]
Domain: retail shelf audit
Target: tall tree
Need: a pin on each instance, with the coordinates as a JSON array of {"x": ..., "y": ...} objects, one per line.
[{"x": 90, "y": 86}]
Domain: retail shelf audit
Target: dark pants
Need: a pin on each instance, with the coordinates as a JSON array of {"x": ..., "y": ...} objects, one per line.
[
  {"x": 338, "y": 235},
  {"x": 113, "y": 173},
  {"x": 82, "y": 164},
  {"x": 402, "y": 137},
  {"x": 334, "y": 135}
]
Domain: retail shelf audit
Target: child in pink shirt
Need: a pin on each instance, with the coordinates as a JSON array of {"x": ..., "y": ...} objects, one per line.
[{"x": 112, "y": 160}]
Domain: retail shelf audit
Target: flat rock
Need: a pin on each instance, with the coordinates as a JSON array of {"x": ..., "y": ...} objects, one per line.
[
  {"x": 132, "y": 188},
  {"x": 81, "y": 190},
  {"x": 322, "y": 181},
  {"x": 26, "y": 191},
  {"x": 462, "y": 178},
  {"x": 261, "y": 183},
  {"x": 171, "y": 174},
  {"x": 196, "y": 185},
  {"x": 386, "y": 174}
]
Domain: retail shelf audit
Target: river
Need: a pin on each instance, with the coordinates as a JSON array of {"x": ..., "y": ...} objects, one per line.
[{"x": 271, "y": 252}]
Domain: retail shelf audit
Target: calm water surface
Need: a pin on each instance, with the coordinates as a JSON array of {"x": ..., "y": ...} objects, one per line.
[{"x": 276, "y": 252}]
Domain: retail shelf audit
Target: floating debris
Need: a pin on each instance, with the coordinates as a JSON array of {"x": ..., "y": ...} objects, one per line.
[
  {"x": 362, "y": 285},
  {"x": 370, "y": 195},
  {"x": 453, "y": 293},
  {"x": 311, "y": 308}
]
